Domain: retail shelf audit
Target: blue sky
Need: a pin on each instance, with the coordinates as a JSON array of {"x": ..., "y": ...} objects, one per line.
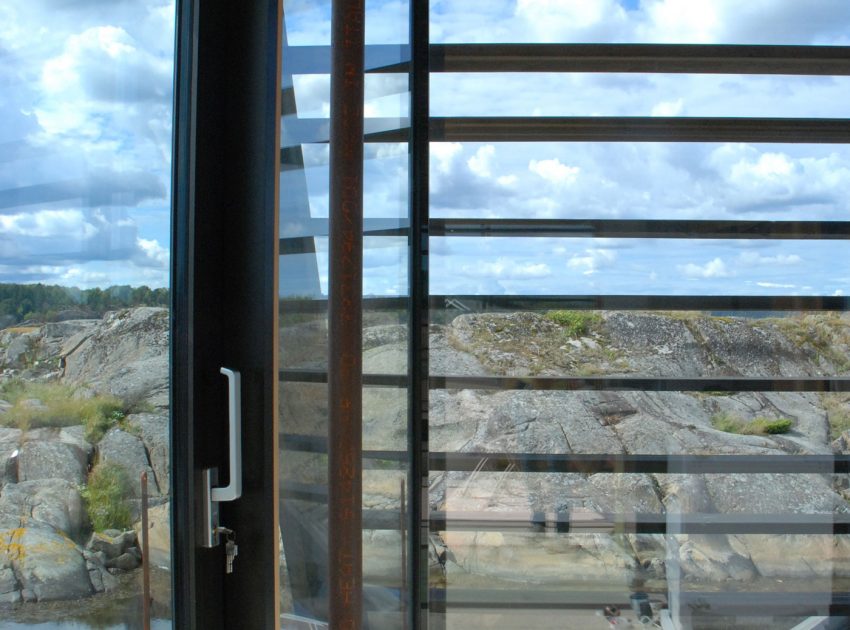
[
  {"x": 85, "y": 135},
  {"x": 85, "y": 141}
]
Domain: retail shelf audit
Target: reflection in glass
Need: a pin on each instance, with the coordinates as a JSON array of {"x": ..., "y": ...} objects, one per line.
[
  {"x": 303, "y": 320},
  {"x": 85, "y": 144}
]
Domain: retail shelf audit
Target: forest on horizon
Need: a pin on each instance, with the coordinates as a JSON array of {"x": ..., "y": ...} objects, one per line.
[{"x": 50, "y": 303}]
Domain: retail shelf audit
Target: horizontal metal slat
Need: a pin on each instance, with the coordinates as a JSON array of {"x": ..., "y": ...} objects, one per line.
[
  {"x": 638, "y": 129},
  {"x": 638, "y": 383},
  {"x": 591, "y": 383},
  {"x": 586, "y": 521},
  {"x": 321, "y": 376},
  {"x": 661, "y": 58},
  {"x": 640, "y": 228},
  {"x": 590, "y": 463},
  {"x": 317, "y": 59},
  {"x": 709, "y": 303},
  {"x": 630, "y": 463},
  {"x": 738, "y": 601}
]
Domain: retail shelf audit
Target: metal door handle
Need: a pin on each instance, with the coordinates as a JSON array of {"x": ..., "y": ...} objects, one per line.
[
  {"x": 212, "y": 496},
  {"x": 232, "y": 490}
]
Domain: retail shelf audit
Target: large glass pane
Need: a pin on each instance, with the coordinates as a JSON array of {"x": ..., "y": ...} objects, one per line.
[
  {"x": 630, "y": 428},
  {"x": 304, "y": 229},
  {"x": 85, "y": 146}
]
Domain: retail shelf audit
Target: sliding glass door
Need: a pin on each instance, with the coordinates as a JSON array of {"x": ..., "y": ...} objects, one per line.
[{"x": 604, "y": 329}]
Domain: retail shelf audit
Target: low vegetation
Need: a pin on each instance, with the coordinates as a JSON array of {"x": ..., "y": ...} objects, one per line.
[
  {"x": 37, "y": 405},
  {"x": 105, "y": 497},
  {"x": 827, "y": 334},
  {"x": 837, "y": 406},
  {"x": 575, "y": 323},
  {"x": 730, "y": 423}
]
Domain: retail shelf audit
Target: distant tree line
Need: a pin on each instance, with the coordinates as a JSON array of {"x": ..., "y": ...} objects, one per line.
[{"x": 50, "y": 303}]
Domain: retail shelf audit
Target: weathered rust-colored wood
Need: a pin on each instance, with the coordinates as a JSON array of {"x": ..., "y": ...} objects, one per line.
[
  {"x": 345, "y": 316},
  {"x": 146, "y": 563}
]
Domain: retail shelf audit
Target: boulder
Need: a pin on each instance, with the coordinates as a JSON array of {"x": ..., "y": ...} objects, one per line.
[
  {"x": 20, "y": 350},
  {"x": 153, "y": 429},
  {"x": 55, "y": 502},
  {"x": 125, "y": 355},
  {"x": 10, "y": 444},
  {"x": 47, "y": 563},
  {"x": 42, "y": 459},
  {"x": 159, "y": 535},
  {"x": 129, "y": 451},
  {"x": 10, "y": 588}
]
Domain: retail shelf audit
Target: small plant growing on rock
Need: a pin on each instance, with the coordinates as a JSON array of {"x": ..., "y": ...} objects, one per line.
[
  {"x": 731, "y": 423},
  {"x": 575, "y": 323},
  {"x": 105, "y": 496}
]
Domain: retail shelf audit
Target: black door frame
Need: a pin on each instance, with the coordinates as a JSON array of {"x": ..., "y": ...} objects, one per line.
[{"x": 224, "y": 307}]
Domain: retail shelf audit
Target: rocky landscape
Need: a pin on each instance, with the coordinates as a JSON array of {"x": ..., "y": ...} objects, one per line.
[
  {"x": 607, "y": 422},
  {"x": 48, "y": 550},
  {"x": 103, "y": 406}
]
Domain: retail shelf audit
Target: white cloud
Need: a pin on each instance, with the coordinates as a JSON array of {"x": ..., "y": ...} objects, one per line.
[
  {"x": 480, "y": 162},
  {"x": 152, "y": 253},
  {"x": 768, "y": 166},
  {"x": 668, "y": 108},
  {"x": 592, "y": 260},
  {"x": 47, "y": 224},
  {"x": 776, "y": 285},
  {"x": 715, "y": 268},
  {"x": 506, "y": 269},
  {"x": 554, "y": 172},
  {"x": 443, "y": 154},
  {"x": 692, "y": 21},
  {"x": 754, "y": 258}
]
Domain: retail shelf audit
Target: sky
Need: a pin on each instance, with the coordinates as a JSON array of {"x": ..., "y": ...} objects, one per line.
[
  {"x": 85, "y": 141},
  {"x": 85, "y": 133}
]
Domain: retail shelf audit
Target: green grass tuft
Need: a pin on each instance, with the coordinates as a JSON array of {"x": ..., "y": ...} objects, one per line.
[
  {"x": 106, "y": 495},
  {"x": 37, "y": 405},
  {"x": 730, "y": 423},
  {"x": 575, "y": 323}
]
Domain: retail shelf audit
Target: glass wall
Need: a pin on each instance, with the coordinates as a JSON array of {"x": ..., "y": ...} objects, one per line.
[
  {"x": 85, "y": 150},
  {"x": 638, "y": 331},
  {"x": 639, "y": 335},
  {"x": 304, "y": 230}
]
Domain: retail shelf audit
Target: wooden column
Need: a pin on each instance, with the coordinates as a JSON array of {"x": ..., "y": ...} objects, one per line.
[{"x": 345, "y": 552}]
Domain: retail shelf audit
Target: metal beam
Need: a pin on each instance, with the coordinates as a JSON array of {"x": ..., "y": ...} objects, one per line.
[
  {"x": 662, "y": 58},
  {"x": 637, "y": 129}
]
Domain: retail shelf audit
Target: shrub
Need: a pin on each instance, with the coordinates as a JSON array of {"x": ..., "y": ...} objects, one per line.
[
  {"x": 772, "y": 426},
  {"x": 106, "y": 497},
  {"x": 731, "y": 423},
  {"x": 727, "y": 422},
  {"x": 575, "y": 323}
]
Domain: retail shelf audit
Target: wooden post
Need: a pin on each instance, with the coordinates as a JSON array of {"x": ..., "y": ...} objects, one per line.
[
  {"x": 345, "y": 546},
  {"x": 146, "y": 565}
]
